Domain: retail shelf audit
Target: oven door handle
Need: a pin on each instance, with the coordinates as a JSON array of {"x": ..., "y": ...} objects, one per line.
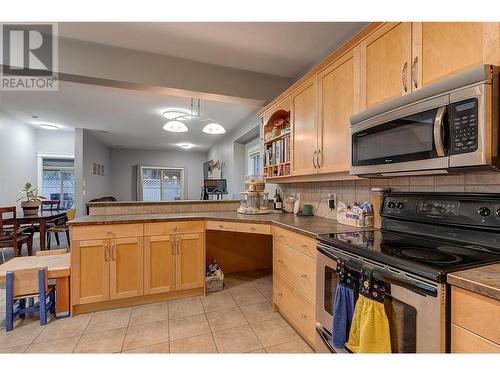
[{"x": 412, "y": 285}]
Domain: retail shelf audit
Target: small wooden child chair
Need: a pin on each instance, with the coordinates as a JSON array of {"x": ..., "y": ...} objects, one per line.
[{"x": 26, "y": 284}]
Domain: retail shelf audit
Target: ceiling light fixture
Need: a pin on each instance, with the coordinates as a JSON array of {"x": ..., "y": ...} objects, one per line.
[
  {"x": 186, "y": 146},
  {"x": 48, "y": 127},
  {"x": 214, "y": 128},
  {"x": 175, "y": 127},
  {"x": 178, "y": 117}
]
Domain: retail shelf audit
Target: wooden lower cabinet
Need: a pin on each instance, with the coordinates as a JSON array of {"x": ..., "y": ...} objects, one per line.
[
  {"x": 89, "y": 271},
  {"x": 126, "y": 268},
  {"x": 159, "y": 264},
  {"x": 190, "y": 261},
  {"x": 475, "y": 327}
]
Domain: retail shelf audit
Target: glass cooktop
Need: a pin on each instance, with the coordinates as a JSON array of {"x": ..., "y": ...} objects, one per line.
[{"x": 419, "y": 255}]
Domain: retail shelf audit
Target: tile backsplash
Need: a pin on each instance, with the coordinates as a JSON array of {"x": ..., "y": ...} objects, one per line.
[{"x": 316, "y": 193}]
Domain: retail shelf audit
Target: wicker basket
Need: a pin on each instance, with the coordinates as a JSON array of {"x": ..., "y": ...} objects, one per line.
[{"x": 214, "y": 283}]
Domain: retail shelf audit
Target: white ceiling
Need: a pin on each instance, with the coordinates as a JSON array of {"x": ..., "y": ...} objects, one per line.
[
  {"x": 280, "y": 48},
  {"x": 124, "y": 118}
]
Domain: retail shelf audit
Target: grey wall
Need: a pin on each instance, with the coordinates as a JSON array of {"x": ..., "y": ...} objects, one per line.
[
  {"x": 17, "y": 158},
  {"x": 55, "y": 142},
  {"x": 94, "y": 60},
  {"x": 232, "y": 153},
  {"x": 88, "y": 150},
  {"x": 123, "y": 172}
]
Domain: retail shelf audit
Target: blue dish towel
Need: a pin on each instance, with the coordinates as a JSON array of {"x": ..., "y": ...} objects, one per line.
[{"x": 343, "y": 310}]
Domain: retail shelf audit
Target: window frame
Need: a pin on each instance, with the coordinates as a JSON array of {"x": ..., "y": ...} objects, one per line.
[
  {"x": 41, "y": 169},
  {"x": 161, "y": 169}
]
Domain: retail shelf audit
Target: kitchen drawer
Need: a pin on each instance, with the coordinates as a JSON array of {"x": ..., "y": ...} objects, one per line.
[
  {"x": 173, "y": 227},
  {"x": 299, "y": 242},
  {"x": 476, "y": 313},
  {"x": 298, "y": 269},
  {"x": 464, "y": 341},
  {"x": 295, "y": 307},
  {"x": 102, "y": 232},
  {"x": 233, "y": 226}
]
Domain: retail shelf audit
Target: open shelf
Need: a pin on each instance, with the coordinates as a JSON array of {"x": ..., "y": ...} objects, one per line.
[{"x": 277, "y": 148}]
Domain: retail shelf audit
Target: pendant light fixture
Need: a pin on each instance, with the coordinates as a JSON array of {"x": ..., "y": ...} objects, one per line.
[{"x": 178, "y": 118}]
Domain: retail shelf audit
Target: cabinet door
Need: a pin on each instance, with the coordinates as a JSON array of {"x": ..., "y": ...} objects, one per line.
[
  {"x": 90, "y": 271},
  {"x": 190, "y": 261},
  {"x": 336, "y": 85},
  {"x": 159, "y": 264},
  {"x": 126, "y": 267},
  {"x": 444, "y": 48},
  {"x": 304, "y": 129},
  {"x": 385, "y": 59}
]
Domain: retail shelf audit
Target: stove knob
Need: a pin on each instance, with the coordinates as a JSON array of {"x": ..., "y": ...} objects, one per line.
[
  {"x": 497, "y": 212},
  {"x": 484, "y": 211},
  {"x": 400, "y": 205},
  {"x": 391, "y": 204}
]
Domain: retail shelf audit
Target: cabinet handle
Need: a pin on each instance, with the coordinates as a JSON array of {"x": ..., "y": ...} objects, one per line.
[
  {"x": 314, "y": 160},
  {"x": 178, "y": 247},
  {"x": 173, "y": 247},
  {"x": 303, "y": 275},
  {"x": 318, "y": 162},
  {"x": 175, "y": 229},
  {"x": 113, "y": 251},
  {"x": 279, "y": 294},
  {"x": 106, "y": 253},
  {"x": 404, "y": 75},
  {"x": 280, "y": 261},
  {"x": 414, "y": 68}
]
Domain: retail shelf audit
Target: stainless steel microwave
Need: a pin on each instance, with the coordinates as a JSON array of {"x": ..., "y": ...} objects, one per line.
[{"x": 449, "y": 126}]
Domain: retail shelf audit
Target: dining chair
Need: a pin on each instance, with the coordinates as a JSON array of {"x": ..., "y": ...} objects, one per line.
[
  {"x": 43, "y": 253},
  {"x": 13, "y": 236},
  {"x": 61, "y": 226},
  {"x": 21, "y": 287},
  {"x": 50, "y": 205}
]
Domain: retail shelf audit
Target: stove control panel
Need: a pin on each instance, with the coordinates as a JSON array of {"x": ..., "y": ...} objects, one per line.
[{"x": 481, "y": 210}]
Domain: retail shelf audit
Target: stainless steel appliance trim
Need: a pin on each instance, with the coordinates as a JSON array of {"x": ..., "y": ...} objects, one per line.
[
  {"x": 479, "y": 74},
  {"x": 437, "y": 164},
  {"x": 438, "y": 131}
]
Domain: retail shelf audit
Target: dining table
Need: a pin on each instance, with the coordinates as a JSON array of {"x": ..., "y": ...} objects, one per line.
[
  {"x": 41, "y": 217},
  {"x": 58, "y": 268}
]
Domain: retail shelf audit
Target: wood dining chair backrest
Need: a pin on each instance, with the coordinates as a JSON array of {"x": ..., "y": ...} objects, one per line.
[
  {"x": 70, "y": 214},
  {"x": 26, "y": 282},
  {"x": 43, "y": 253},
  {"x": 50, "y": 205},
  {"x": 8, "y": 213}
]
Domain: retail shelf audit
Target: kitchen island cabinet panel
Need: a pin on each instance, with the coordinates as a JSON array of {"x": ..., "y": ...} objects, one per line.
[
  {"x": 190, "y": 261},
  {"x": 126, "y": 268},
  {"x": 159, "y": 264}
]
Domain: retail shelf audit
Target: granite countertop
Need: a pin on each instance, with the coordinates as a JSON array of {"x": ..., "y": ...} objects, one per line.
[
  {"x": 483, "y": 280},
  {"x": 310, "y": 226},
  {"x": 148, "y": 203}
]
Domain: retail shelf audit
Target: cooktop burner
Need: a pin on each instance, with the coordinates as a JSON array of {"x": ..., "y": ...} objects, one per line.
[{"x": 427, "y": 257}]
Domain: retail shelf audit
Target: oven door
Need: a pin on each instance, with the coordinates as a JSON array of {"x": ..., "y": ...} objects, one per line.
[
  {"x": 412, "y": 138},
  {"x": 415, "y": 308}
]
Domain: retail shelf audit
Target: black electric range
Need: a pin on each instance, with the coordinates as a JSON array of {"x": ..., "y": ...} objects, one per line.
[{"x": 429, "y": 234}]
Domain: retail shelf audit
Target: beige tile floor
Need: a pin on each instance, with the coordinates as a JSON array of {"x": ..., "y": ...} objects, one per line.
[{"x": 238, "y": 319}]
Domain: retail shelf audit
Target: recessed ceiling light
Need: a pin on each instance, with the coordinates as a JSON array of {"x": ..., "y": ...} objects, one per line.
[
  {"x": 48, "y": 127},
  {"x": 186, "y": 146},
  {"x": 34, "y": 116},
  {"x": 173, "y": 113},
  {"x": 175, "y": 126},
  {"x": 214, "y": 128}
]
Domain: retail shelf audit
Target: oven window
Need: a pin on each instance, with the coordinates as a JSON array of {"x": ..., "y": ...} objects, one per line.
[
  {"x": 403, "y": 325},
  {"x": 404, "y": 139},
  {"x": 330, "y": 288}
]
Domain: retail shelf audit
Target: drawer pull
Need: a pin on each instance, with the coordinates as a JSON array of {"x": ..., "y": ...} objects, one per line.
[
  {"x": 110, "y": 234},
  {"x": 303, "y": 275},
  {"x": 253, "y": 228},
  {"x": 281, "y": 236},
  {"x": 304, "y": 246},
  {"x": 280, "y": 261},
  {"x": 175, "y": 229},
  {"x": 279, "y": 294},
  {"x": 221, "y": 226},
  {"x": 303, "y": 316}
]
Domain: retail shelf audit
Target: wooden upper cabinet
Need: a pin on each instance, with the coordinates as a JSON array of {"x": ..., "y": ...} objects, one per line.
[
  {"x": 190, "y": 261},
  {"x": 337, "y": 92},
  {"x": 444, "y": 48},
  {"x": 304, "y": 113},
  {"x": 90, "y": 271},
  {"x": 126, "y": 267},
  {"x": 385, "y": 64},
  {"x": 159, "y": 264}
]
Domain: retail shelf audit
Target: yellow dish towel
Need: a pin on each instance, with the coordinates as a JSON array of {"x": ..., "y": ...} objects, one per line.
[{"x": 370, "y": 331}]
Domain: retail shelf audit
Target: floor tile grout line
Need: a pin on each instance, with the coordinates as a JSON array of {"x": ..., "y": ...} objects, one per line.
[
  {"x": 126, "y": 331},
  {"x": 83, "y": 333}
]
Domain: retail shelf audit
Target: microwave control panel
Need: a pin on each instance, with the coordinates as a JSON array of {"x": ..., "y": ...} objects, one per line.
[{"x": 463, "y": 117}]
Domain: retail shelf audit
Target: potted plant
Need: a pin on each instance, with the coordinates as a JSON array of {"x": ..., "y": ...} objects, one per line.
[{"x": 32, "y": 200}]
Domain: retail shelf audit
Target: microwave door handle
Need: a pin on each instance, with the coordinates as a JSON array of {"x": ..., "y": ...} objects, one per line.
[
  {"x": 438, "y": 131},
  {"x": 414, "y": 286}
]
